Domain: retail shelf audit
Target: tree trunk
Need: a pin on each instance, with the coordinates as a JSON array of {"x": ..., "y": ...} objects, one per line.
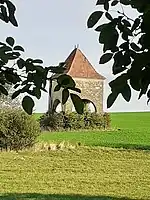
[{"x": 50, "y": 106}]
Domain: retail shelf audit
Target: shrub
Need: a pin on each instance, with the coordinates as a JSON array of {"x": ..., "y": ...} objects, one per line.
[
  {"x": 52, "y": 122},
  {"x": 74, "y": 121},
  {"x": 17, "y": 129},
  {"x": 107, "y": 120},
  {"x": 94, "y": 120}
]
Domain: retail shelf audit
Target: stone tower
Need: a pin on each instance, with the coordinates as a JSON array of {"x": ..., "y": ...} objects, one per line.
[{"x": 87, "y": 79}]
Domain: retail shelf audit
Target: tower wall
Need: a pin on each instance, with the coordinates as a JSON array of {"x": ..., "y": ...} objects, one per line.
[{"x": 91, "y": 89}]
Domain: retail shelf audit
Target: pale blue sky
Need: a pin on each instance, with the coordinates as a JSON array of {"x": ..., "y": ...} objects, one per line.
[{"x": 50, "y": 30}]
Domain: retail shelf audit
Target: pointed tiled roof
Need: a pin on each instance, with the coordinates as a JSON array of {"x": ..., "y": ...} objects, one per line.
[{"x": 78, "y": 66}]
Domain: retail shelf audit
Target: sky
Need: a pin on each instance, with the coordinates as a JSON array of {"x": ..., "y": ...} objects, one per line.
[{"x": 50, "y": 30}]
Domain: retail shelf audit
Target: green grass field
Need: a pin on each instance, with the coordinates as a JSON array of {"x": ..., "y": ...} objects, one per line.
[
  {"x": 129, "y": 130},
  {"x": 83, "y": 174},
  {"x": 88, "y": 172}
]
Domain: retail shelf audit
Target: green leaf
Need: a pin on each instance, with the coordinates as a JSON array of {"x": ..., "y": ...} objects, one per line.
[
  {"x": 125, "y": 36},
  {"x": 66, "y": 81},
  {"x": 17, "y": 85},
  {"x": 75, "y": 89},
  {"x": 10, "y": 41},
  {"x": 135, "y": 47},
  {"x": 13, "y": 20},
  {"x": 4, "y": 13},
  {"x": 148, "y": 101},
  {"x": 38, "y": 61},
  {"x": 43, "y": 89},
  {"x": 124, "y": 46},
  {"x": 126, "y": 23},
  {"x": 56, "y": 70},
  {"x": 55, "y": 104},
  {"x": 144, "y": 87},
  {"x": 86, "y": 101},
  {"x": 100, "y": 2},
  {"x": 12, "y": 77},
  {"x": 12, "y": 9},
  {"x": 111, "y": 99},
  {"x": 26, "y": 88},
  {"x": 3, "y": 90},
  {"x": 126, "y": 59},
  {"x": 19, "y": 48},
  {"x": 126, "y": 92},
  {"x": 94, "y": 18},
  {"x": 29, "y": 67},
  {"x": 133, "y": 54},
  {"x": 2, "y": 17},
  {"x": 5, "y": 48},
  {"x": 117, "y": 68},
  {"x": 17, "y": 54},
  {"x": 62, "y": 64},
  {"x": 128, "y": 31},
  {"x": 2, "y": 81},
  {"x": 65, "y": 96},
  {"x": 101, "y": 27},
  {"x": 135, "y": 24},
  {"x": 109, "y": 37},
  {"x": 118, "y": 84},
  {"x": 106, "y": 58},
  {"x": 28, "y": 104},
  {"x": 15, "y": 94},
  {"x": 106, "y": 5},
  {"x": 125, "y": 2},
  {"x": 78, "y": 103},
  {"x": 25, "y": 82},
  {"x": 29, "y": 60},
  {"x": 2, "y": 44},
  {"x": 108, "y": 16},
  {"x": 148, "y": 94},
  {"x": 114, "y": 3},
  {"x": 37, "y": 80},
  {"x": 13, "y": 55},
  {"x": 20, "y": 63},
  {"x": 40, "y": 70},
  {"x": 57, "y": 88},
  {"x": 135, "y": 83},
  {"x": 37, "y": 92}
]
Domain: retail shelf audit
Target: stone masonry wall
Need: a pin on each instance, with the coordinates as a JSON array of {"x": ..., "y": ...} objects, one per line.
[{"x": 91, "y": 89}]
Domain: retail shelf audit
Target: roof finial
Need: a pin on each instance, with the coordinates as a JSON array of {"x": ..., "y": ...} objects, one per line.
[{"x": 76, "y": 46}]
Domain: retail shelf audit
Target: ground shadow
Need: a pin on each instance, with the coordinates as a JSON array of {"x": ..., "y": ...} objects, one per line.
[{"x": 36, "y": 196}]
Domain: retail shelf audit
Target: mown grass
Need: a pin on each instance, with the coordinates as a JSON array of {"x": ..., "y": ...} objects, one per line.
[
  {"x": 83, "y": 174},
  {"x": 131, "y": 121},
  {"x": 129, "y": 130}
]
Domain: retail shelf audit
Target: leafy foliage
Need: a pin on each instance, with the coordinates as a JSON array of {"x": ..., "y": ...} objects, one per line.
[
  {"x": 126, "y": 42},
  {"x": 27, "y": 75},
  {"x": 51, "y": 122},
  {"x": 7, "y": 12},
  {"x": 78, "y": 103},
  {"x": 74, "y": 121},
  {"x": 68, "y": 84},
  {"x": 17, "y": 129},
  {"x": 30, "y": 78}
]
